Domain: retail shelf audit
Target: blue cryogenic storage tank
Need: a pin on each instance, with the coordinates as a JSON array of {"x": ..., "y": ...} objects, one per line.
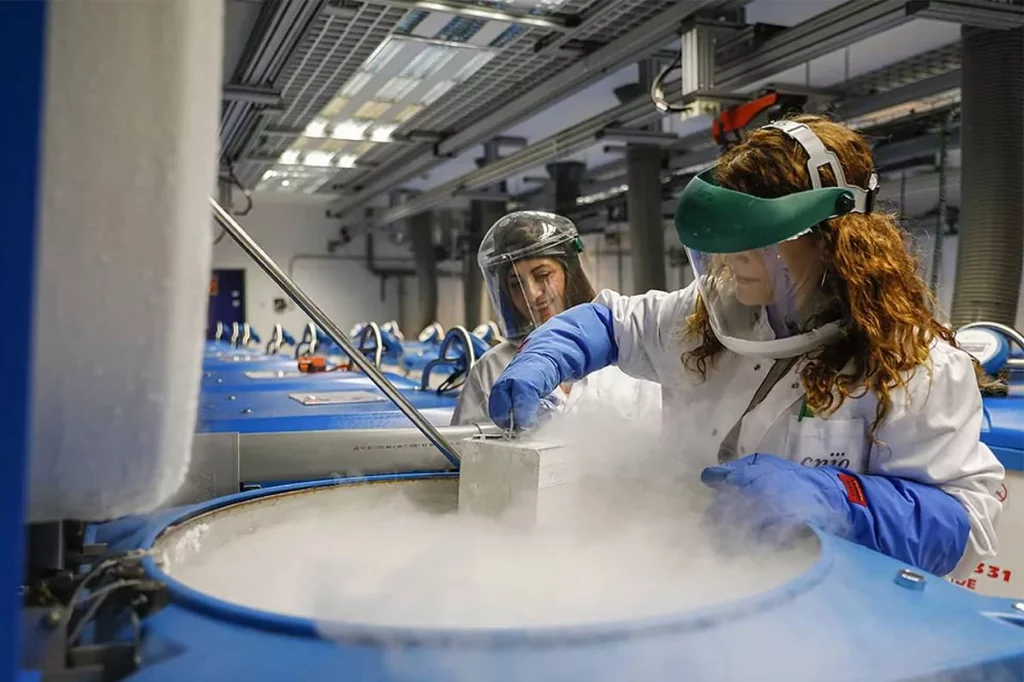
[
  {"x": 291, "y": 379},
  {"x": 320, "y": 410},
  {"x": 251, "y": 595}
]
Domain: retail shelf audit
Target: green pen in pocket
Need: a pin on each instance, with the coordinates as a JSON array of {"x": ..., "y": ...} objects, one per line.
[{"x": 804, "y": 411}]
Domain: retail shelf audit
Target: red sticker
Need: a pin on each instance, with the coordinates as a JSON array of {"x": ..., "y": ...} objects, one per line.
[{"x": 854, "y": 493}]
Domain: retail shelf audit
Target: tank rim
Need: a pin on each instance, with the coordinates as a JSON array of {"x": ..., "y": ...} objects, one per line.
[{"x": 355, "y": 633}]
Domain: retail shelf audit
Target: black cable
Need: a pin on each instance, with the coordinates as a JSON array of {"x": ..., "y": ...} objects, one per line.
[
  {"x": 245, "y": 192},
  {"x": 661, "y": 103}
]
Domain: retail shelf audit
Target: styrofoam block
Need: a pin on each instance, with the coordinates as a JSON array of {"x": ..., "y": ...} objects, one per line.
[
  {"x": 129, "y": 159},
  {"x": 515, "y": 481}
]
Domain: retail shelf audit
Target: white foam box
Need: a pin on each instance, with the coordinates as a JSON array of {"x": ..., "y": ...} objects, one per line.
[{"x": 520, "y": 482}]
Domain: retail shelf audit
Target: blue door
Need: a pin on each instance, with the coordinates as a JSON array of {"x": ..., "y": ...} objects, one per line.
[{"x": 227, "y": 300}]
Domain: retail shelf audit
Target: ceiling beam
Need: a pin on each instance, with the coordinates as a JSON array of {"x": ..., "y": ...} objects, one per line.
[
  {"x": 567, "y": 142},
  {"x": 254, "y": 94},
  {"x": 469, "y": 9},
  {"x": 826, "y": 32},
  {"x": 921, "y": 89},
  {"x": 998, "y": 16},
  {"x": 644, "y": 41}
]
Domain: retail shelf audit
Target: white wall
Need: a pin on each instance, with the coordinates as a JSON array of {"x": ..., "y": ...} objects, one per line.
[{"x": 288, "y": 228}]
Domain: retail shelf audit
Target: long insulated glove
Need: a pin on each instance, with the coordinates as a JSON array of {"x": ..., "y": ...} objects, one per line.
[
  {"x": 567, "y": 347},
  {"x": 768, "y": 499}
]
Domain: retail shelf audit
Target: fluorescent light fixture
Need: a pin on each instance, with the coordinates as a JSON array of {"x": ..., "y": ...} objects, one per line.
[
  {"x": 350, "y": 130},
  {"x": 318, "y": 159},
  {"x": 372, "y": 110},
  {"x": 289, "y": 157},
  {"x": 382, "y": 133},
  {"x": 317, "y": 128},
  {"x": 398, "y": 89},
  {"x": 473, "y": 65},
  {"x": 346, "y": 161},
  {"x": 491, "y": 13},
  {"x": 382, "y": 55},
  {"x": 334, "y": 106},
  {"x": 356, "y": 83},
  {"x": 437, "y": 92},
  {"x": 363, "y": 148},
  {"x": 407, "y": 113},
  {"x": 428, "y": 62}
]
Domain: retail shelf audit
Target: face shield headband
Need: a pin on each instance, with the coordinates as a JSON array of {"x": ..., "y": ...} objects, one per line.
[{"x": 716, "y": 223}]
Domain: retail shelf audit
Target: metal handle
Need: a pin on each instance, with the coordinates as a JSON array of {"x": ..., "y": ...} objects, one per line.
[
  {"x": 369, "y": 329},
  {"x": 456, "y": 333},
  {"x": 308, "y": 306}
]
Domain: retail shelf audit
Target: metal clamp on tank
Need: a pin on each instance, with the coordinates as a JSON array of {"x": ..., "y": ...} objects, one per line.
[
  {"x": 371, "y": 329},
  {"x": 309, "y": 341},
  {"x": 467, "y": 351}
]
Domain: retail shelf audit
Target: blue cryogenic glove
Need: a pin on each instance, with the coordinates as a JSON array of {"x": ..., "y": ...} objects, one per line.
[
  {"x": 769, "y": 499},
  {"x": 567, "y": 347}
]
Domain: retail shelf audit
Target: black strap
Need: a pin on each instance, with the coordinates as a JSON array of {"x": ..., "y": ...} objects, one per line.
[{"x": 728, "y": 449}]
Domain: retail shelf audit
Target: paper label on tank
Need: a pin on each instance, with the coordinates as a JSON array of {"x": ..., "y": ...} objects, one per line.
[
  {"x": 275, "y": 374},
  {"x": 337, "y": 398}
]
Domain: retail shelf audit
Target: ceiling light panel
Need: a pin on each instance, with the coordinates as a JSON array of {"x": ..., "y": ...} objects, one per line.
[
  {"x": 437, "y": 92},
  {"x": 475, "y": 63},
  {"x": 356, "y": 83},
  {"x": 398, "y": 88},
  {"x": 372, "y": 110},
  {"x": 383, "y": 55},
  {"x": 420, "y": 74},
  {"x": 428, "y": 62},
  {"x": 408, "y": 112},
  {"x": 295, "y": 180},
  {"x": 433, "y": 23},
  {"x": 350, "y": 130}
]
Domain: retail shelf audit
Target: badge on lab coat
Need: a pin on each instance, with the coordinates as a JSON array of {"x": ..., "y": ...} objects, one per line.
[{"x": 828, "y": 442}]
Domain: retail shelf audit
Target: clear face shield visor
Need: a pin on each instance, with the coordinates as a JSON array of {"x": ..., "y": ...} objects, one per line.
[
  {"x": 529, "y": 290},
  {"x": 758, "y": 265},
  {"x": 531, "y": 264}
]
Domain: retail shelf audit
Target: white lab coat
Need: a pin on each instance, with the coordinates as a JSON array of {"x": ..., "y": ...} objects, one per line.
[
  {"x": 609, "y": 388},
  {"x": 931, "y": 434}
]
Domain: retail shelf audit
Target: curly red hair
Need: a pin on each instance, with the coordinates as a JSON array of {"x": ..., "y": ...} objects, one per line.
[{"x": 885, "y": 307}]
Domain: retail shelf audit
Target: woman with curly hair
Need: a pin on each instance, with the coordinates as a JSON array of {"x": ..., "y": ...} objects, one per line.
[{"x": 804, "y": 357}]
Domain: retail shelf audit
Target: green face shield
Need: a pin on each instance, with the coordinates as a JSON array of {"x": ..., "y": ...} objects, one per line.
[
  {"x": 714, "y": 219},
  {"x": 758, "y": 268}
]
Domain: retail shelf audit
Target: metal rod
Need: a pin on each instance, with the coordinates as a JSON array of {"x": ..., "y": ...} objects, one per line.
[{"x": 308, "y": 306}]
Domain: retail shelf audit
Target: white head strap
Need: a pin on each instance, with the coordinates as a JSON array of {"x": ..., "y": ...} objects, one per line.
[{"x": 819, "y": 155}]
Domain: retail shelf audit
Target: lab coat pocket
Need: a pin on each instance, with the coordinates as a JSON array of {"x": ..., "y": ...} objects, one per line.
[{"x": 817, "y": 442}]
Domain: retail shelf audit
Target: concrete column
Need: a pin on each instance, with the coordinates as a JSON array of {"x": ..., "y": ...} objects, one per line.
[
  {"x": 421, "y": 236},
  {"x": 566, "y": 177},
  {"x": 482, "y": 214},
  {"x": 991, "y": 243},
  {"x": 643, "y": 199}
]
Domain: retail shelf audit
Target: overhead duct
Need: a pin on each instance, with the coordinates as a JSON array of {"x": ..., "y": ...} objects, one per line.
[{"x": 988, "y": 268}]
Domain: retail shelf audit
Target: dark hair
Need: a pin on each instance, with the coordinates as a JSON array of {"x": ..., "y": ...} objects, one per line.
[{"x": 521, "y": 236}]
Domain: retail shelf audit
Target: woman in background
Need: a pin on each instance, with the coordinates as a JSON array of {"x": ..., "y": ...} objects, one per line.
[{"x": 532, "y": 269}]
